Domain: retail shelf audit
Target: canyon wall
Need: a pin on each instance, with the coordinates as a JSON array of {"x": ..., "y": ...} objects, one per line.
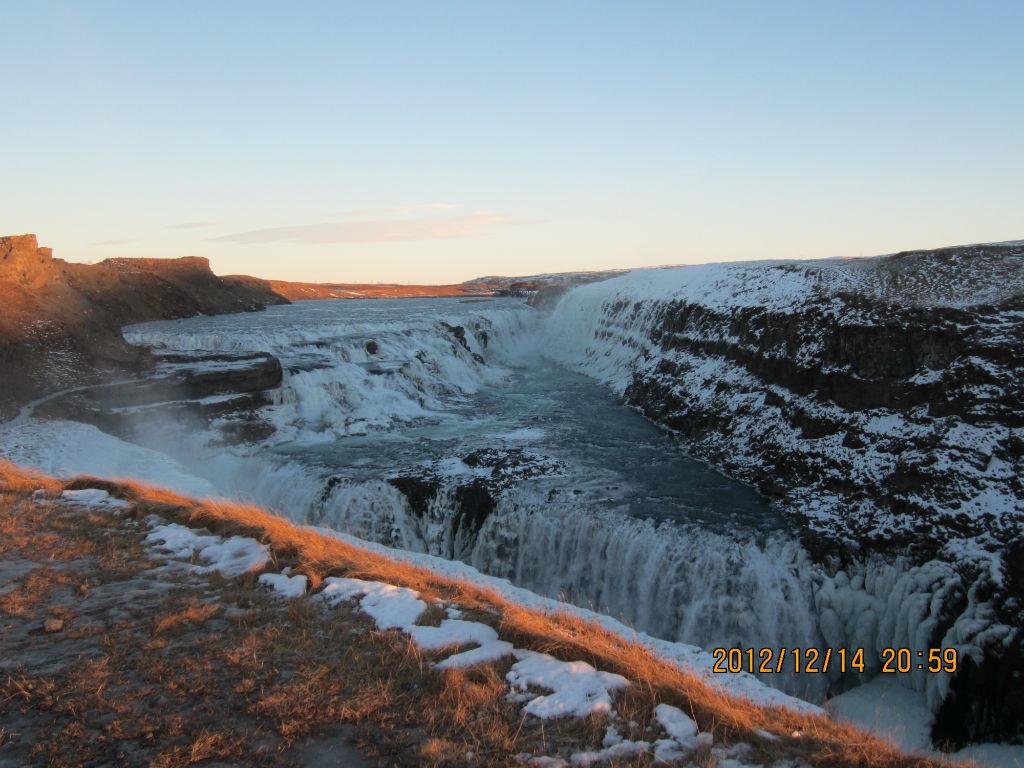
[
  {"x": 881, "y": 402},
  {"x": 60, "y": 323}
]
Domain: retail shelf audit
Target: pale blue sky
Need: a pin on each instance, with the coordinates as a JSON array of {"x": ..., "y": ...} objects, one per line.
[{"x": 437, "y": 141}]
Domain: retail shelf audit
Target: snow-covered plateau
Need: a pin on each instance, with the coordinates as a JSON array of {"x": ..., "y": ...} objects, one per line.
[{"x": 875, "y": 404}]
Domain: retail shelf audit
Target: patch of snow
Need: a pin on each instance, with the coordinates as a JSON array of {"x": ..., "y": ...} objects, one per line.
[
  {"x": 390, "y": 607},
  {"x": 285, "y": 585},
  {"x": 179, "y": 540},
  {"x": 235, "y": 556},
  {"x": 94, "y": 497},
  {"x": 456, "y": 467},
  {"x": 546, "y": 762},
  {"x": 884, "y": 707},
  {"x": 209, "y": 400},
  {"x": 667, "y": 750},
  {"x": 681, "y": 727},
  {"x": 70, "y": 448},
  {"x": 621, "y": 751},
  {"x": 455, "y": 632},
  {"x": 611, "y": 737},
  {"x": 577, "y": 689},
  {"x": 499, "y": 649},
  {"x": 884, "y": 424},
  {"x": 211, "y": 366},
  {"x": 231, "y": 557}
]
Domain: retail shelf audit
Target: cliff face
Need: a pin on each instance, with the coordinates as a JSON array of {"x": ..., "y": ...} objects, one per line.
[
  {"x": 882, "y": 402},
  {"x": 60, "y": 324}
]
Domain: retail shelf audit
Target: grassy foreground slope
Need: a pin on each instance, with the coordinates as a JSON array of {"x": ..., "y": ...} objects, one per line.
[{"x": 219, "y": 669}]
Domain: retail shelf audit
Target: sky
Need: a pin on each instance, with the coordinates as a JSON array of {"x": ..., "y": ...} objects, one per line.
[{"x": 437, "y": 141}]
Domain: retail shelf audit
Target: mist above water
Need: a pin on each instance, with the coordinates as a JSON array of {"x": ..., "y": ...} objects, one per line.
[{"x": 617, "y": 518}]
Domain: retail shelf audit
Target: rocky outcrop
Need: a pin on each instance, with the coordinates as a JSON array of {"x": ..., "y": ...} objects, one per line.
[
  {"x": 905, "y": 417},
  {"x": 459, "y": 500},
  {"x": 152, "y": 289},
  {"x": 60, "y": 325},
  {"x": 895, "y": 387},
  {"x": 191, "y": 389},
  {"x": 881, "y": 401}
]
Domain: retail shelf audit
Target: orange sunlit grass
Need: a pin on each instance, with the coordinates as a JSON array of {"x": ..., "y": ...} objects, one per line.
[{"x": 817, "y": 739}]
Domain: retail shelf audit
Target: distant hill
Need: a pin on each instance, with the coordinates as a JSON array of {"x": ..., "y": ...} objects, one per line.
[
  {"x": 481, "y": 286},
  {"x": 309, "y": 291},
  {"x": 60, "y": 324}
]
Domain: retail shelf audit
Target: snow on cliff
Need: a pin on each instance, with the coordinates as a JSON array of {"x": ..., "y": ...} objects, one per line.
[{"x": 881, "y": 401}]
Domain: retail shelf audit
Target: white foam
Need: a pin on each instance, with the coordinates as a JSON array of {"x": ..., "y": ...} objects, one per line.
[
  {"x": 333, "y": 385},
  {"x": 884, "y": 707},
  {"x": 993, "y": 755}
]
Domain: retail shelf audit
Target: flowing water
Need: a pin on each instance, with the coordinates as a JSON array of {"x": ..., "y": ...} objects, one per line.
[{"x": 587, "y": 500}]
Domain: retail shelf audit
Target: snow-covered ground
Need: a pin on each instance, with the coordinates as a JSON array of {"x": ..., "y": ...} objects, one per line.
[
  {"x": 882, "y": 705},
  {"x": 68, "y": 448},
  {"x": 894, "y": 712}
]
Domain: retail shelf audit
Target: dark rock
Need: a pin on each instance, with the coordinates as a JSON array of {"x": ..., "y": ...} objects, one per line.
[
  {"x": 417, "y": 490},
  {"x": 985, "y": 699},
  {"x": 235, "y": 386},
  {"x": 460, "y": 335},
  {"x": 263, "y": 371},
  {"x": 475, "y": 503},
  {"x": 473, "y": 499}
]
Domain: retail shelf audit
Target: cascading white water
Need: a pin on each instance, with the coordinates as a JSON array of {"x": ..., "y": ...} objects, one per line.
[
  {"x": 354, "y": 372},
  {"x": 396, "y": 378},
  {"x": 892, "y": 604},
  {"x": 681, "y": 583},
  {"x": 678, "y": 582}
]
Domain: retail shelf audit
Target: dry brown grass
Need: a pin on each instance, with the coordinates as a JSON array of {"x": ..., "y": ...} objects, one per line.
[
  {"x": 194, "y": 613},
  {"x": 34, "y": 590},
  {"x": 474, "y": 710},
  {"x": 17, "y": 479}
]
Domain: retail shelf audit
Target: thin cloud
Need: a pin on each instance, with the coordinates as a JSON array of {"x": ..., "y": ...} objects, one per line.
[
  {"x": 395, "y": 209},
  {"x": 114, "y": 242},
  {"x": 193, "y": 225},
  {"x": 478, "y": 224}
]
